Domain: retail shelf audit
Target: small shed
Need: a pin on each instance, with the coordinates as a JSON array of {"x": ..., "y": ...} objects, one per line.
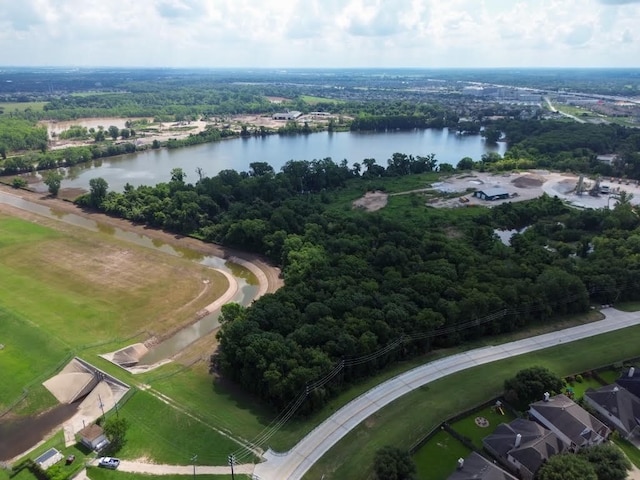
[
  {"x": 490, "y": 194},
  {"x": 48, "y": 458},
  {"x": 93, "y": 437}
]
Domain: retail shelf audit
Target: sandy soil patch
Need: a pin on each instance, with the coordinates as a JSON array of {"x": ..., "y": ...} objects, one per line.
[
  {"x": 528, "y": 181},
  {"x": 372, "y": 201}
]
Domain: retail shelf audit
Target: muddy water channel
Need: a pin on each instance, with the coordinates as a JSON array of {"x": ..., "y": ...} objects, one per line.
[{"x": 246, "y": 280}]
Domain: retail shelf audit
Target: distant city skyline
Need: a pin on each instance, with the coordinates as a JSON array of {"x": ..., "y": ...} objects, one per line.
[{"x": 321, "y": 33}]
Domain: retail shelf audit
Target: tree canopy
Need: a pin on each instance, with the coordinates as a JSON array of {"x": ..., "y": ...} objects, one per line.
[
  {"x": 391, "y": 463},
  {"x": 529, "y": 385},
  {"x": 608, "y": 461},
  {"x": 363, "y": 290},
  {"x": 567, "y": 467}
]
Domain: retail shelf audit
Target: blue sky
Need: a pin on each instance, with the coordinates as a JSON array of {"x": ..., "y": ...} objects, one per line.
[{"x": 321, "y": 33}]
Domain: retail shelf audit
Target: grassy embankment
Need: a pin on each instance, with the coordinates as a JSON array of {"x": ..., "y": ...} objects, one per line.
[{"x": 77, "y": 292}]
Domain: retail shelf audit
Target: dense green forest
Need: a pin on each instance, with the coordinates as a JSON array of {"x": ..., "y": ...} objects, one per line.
[
  {"x": 366, "y": 289},
  {"x": 18, "y": 135},
  {"x": 564, "y": 146}
]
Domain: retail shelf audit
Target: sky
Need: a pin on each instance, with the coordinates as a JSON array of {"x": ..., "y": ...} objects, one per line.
[{"x": 320, "y": 33}]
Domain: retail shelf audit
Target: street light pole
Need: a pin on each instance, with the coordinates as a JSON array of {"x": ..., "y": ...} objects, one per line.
[
  {"x": 193, "y": 460},
  {"x": 232, "y": 460}
]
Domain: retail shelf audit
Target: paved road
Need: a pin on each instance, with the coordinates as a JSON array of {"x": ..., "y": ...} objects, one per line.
[{"x": 297, "y": 461}]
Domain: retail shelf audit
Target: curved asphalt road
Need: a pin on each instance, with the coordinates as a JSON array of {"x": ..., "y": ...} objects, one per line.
[{"x": 297, "y": 461}]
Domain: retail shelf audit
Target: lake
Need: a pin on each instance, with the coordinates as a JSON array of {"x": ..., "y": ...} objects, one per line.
[{"x": 154, "y": 166}]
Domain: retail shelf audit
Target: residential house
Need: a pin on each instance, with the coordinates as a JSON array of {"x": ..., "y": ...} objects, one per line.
[
  {"x": 93, "y": 437},
  {"x": 569, "y": 421},
  {"x": 476, "y": 467},
  {"x": 630, "y": 380},
  {"x": 523, "y": 446},
  {"x": 617, "y": 407}
]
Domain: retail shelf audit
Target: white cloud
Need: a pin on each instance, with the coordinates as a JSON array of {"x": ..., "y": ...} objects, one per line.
[{"x": 324, "y": 33}]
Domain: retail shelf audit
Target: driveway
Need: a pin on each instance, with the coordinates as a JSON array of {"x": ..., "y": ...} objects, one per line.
[{"x": 293, "y": 464}]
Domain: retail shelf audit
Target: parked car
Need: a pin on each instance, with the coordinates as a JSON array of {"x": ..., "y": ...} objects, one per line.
[{"x": 108, "y": 462}]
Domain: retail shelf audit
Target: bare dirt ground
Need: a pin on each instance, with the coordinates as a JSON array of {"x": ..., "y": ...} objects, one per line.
[
  {"x": 165, "y": 130},
  {"x": 372, "y": 201},
  {"x": 528, "y": 185}
]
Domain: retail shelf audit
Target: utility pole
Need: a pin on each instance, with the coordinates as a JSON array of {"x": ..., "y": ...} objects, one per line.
[
  {"x": 101, "y": 405},
  {"x": 232, "y": 460},
  {"x": 193, "y": 460}
]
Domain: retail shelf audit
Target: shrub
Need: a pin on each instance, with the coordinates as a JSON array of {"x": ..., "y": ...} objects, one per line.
[
  {"x": 579, "y": 378},
  {"x": 19, "y": 182}
]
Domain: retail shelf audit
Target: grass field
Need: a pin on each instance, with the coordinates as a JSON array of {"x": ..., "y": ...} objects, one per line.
[
  {"x": 95, "y": 473},
  {"x": 159, "y": 432},
  {"x": 610, "y": 375},
  {"x": 580, "y": 387},
  {"x": 628, "y": 306},
  {"x": 64, "y": 291},
  {"x": 468, "y": 427},
  {"x": 194, "y": 388},
  {"x": 312, "y": 100},
  {"x": 8, "y": 107},
  {"x": 409, "y": 418},
  {"x": 631, "y": 451},
  {"x": 439, "y": 457}
]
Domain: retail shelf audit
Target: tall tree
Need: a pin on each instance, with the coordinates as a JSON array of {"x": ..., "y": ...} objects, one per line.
[
  {"x": 53, "y": 180},
  {"x": 114, "y": 132},
  {"x": 567, "y": 467},
  {"x": 391, "y": 463},
  {"x": 115, "y": 428},
  {"x": 98, "y": 188},
  {"x": 609, "y": 462},
  {"x": 530, "y": 384}
]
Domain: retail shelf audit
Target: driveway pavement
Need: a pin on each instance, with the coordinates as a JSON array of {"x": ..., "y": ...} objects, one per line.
[{"x": 293, "y": 464}]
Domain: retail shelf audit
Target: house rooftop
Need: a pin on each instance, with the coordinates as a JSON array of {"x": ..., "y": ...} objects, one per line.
[
  {"x": 570, "y": 419},
  {"x": 91, "y": 432},
  {"x": 630, "y": 379},
  {"x": 619, "y": 402},
  {"x": 476, "y": 467},
  {"x": 537, "y": 444}
]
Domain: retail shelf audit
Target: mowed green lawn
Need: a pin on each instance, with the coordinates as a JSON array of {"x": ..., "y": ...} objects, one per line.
[
  {"x": 438, "y": 458},
  {"x": 409, "y": 418},
  {"x": 64, "y": 291},
  {"x": 468, "y": 427},
  {"x": 161, "y": 433}
]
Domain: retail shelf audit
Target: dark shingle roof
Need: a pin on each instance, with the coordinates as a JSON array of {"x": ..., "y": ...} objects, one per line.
[
  {"x": 537, "y": 443},
  {"x": 476, "y": 467},
  {"x": 570, "y": 419},
  {"x": 631, "y": 383},
  {"x": 618, "y": 401}
]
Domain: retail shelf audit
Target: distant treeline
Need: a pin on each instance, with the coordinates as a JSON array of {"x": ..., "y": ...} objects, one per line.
[{"x": 357, "y": 283}]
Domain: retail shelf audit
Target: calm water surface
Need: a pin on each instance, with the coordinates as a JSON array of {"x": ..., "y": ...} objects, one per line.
[{"x": 154, "y": 166}]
